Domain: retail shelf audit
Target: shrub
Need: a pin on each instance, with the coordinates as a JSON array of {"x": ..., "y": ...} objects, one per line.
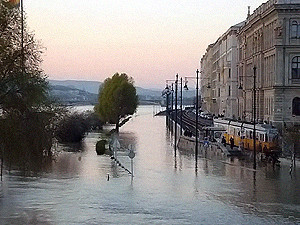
[{"x": 73, "y": 127}]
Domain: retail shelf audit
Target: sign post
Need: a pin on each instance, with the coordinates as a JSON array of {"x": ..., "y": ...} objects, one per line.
[{"x": 131, "y": 155}]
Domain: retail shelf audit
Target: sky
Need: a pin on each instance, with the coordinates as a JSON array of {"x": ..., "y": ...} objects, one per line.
[{"x": 149, "y": 40}]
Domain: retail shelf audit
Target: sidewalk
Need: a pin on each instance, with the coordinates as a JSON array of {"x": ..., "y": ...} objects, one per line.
[{"x": 288, "y": 161}]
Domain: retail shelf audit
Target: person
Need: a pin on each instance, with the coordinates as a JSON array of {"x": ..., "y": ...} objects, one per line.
[
  {"x": 223, "y": 141},
  {"x": 231, "y": 142},
  {"x": 265, "y": 149},
  {"x": 259, "y": 147}
]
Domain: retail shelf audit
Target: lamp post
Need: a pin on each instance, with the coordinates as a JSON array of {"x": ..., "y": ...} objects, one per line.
[
  {"x": 254, "y": 117},
  {"x": 172, "y": 97},
  {"x": 253, "y": 114},
  {"x": 176, "y": 90},
  {"x": 181, "y": 105},
  {"x": 166, "y": 92},
  {"x": 197, "y": 88}
]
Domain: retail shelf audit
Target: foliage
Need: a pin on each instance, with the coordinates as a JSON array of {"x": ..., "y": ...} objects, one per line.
[
  {"x": 27, "y": 137},
  {"x": 117, "y": 99},
  {"x": 100, "y": 147},
  {"x": 291, "y": 139},
  {"x": 27, "y": 118},
  {"x": 22, "y": 83},
  {"x": 73, "y": 127}
]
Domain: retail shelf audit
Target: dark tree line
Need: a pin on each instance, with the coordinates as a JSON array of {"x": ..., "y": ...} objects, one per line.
[
  {"x": 29, "y": 120},
  {"x": 27, "y": 116}
]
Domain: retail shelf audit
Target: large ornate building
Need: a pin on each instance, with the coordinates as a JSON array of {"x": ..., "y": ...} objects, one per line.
[
  {"x": 219, "y": 75},
  {"x": 269, "y": 41}
]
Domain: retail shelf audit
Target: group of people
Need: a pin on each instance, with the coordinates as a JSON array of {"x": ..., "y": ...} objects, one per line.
[{"x": 231, "y": 140}]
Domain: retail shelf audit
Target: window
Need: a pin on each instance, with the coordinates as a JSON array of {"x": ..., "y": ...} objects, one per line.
[
  {"x": 294, "y": 29},
  {"x": 229, "y": 90},
  {"x": 261, "y": 137},
  {"x": 296, "y": 67},
  {"x": 296, "y": 106},
  {"x": 229, "y": 73}
]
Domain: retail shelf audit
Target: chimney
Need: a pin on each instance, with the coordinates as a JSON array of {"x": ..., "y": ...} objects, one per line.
[{"x": 248, "y": 12}]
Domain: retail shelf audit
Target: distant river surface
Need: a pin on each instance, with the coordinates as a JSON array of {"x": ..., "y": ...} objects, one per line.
[{"x": 166, "y": 188}]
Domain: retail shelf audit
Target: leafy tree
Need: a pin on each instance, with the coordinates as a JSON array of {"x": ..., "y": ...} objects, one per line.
[
  {"x": 117, "y": 99},
  {"x": 22, "y": 83},
  {"x": 27, "y": 117}
]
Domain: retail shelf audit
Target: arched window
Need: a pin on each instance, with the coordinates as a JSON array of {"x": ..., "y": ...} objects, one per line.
[
  {"x": 294, "y": 29},
  {"x": 296, "y": 67},
  {"x": 296, "y": 106}
]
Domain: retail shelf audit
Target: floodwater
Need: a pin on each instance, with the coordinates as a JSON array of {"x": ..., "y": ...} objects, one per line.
[{"x": 166, "y": 188}]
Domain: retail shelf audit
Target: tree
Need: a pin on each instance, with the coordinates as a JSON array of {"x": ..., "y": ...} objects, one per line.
[
  {"x": 27, "y": 117},
  {"x": 117, "y": 99},
  {"x": 22, "y": 83},
  {"x": 291, "y": 137}
]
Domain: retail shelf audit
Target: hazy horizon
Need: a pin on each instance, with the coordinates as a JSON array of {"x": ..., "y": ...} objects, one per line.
[{"x": 151, "y": 41}]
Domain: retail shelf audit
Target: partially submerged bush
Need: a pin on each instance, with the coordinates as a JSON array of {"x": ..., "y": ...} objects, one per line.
[
  {"x": 100, "y": 147},
  {"x": 73, "y": 127}
]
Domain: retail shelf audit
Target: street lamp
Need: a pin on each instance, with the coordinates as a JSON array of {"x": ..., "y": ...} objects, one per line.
[
  {"x": 197, "y": 88},
  {"x": 166, "y": 92},
  {"x": 172, "y": 91},
  {"x": 253, "y": 114},
  {"x": 175, "y": 134},
  {"x": 181, "y": 106}
]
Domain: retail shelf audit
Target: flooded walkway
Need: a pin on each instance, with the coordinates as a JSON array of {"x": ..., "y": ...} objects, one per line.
[{"x": 166, "y": 189}]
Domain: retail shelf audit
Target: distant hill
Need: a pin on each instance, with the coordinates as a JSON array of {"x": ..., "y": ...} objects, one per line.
[
  {"x": 93, "y": 86},
  {"x": 72, "y": 96},
  {"x": 89, "y": 86},
  {"x": 86, "y": 92}
]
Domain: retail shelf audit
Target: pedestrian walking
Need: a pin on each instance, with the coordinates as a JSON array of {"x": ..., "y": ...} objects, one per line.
[
  {"x": 223, "y": 141},
  {"x": 231, "y": 142}
]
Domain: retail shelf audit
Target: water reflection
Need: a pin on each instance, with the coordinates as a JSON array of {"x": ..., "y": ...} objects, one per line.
[{"x": 166, "y": 188}]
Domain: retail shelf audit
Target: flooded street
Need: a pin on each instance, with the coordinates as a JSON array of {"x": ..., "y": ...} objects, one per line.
[{"x": 166, "y": 188}]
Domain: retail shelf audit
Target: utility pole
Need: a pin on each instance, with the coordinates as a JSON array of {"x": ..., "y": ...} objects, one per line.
[
  {"x": 197, "y": 87},
  {"x": 176, "y": 90},
  {"x": 254, "y": 117},
  {"x": 167, "y": 106},
  {"x": 181, "y": 106}
]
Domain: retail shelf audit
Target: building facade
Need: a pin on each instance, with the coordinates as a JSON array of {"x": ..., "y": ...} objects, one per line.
[
  {"x": 219, "y": 75},
  {"x": 269, "y": 41}
]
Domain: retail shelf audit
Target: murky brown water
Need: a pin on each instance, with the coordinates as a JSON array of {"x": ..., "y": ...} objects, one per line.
[{"x": 165, "y": 190}]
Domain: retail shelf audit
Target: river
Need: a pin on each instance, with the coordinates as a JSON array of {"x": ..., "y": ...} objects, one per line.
[{"x": 166, "y": 188}]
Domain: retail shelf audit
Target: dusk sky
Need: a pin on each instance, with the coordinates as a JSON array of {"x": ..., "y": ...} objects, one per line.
[{"x": 151, "y": 41}]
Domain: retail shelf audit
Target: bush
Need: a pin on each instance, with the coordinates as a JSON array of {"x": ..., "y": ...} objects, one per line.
[
  {"x": 73, "y": 127},
  {"x": 100, "y": 147}
]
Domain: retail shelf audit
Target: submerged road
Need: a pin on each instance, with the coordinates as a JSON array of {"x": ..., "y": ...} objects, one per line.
[{"x": 166, "y": 189}]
